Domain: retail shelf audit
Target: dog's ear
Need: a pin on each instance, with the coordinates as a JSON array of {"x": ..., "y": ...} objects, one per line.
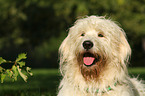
[
  {"x": 125, "y": 50},
  {"x": 63, "y": 50},
  {"x": 63, "y": 54}
]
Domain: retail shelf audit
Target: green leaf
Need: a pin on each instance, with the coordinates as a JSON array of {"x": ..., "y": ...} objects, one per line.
[
  {"x": 3, "y": 77},
  {"x": 1, "y": 69},
  {"x": 22, "y": 75},
  {"x": 28, "y": 69},
  {"x": 2, "y": 60},
  {"x": 10, "y": 73},
  {"x": 21, "y": 64},
  {"x": 15, "y": 73},
  {"x": 21, "y": 56}
]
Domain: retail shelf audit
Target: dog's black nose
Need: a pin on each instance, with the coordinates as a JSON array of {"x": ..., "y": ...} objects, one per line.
[{"x": 87, "y": 44}]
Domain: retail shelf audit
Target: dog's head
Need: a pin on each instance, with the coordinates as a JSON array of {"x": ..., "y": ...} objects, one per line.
[{"x": 94, "y": 43}]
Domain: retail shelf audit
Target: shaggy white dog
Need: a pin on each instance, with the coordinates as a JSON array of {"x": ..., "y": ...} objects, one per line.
[{"x": 93, "y": 60}]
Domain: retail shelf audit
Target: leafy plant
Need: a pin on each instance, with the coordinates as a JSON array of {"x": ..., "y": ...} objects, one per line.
[{"x": 18, "y": 68}]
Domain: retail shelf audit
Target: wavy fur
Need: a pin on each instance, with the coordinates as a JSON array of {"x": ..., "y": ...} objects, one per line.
[{"x": 114, "y": 52}]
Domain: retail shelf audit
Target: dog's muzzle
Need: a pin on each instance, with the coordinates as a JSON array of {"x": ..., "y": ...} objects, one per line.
[{"x": 89, "y": 58}]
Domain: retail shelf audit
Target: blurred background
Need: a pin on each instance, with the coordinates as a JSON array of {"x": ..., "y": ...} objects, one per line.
[{"x": 37, "y": 27}]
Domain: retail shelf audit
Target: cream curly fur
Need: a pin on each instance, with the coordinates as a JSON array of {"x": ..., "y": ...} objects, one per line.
[{"x": 114, "y": 52}]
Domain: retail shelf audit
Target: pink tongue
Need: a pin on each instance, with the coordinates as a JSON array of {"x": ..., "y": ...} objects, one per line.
[{"x": 88, "y": 60}]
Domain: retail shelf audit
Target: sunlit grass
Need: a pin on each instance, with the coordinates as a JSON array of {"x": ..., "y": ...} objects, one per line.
[
  {"x": 140, "y": 70},
  {"x": 44, "y": 83},
  {"x": 137, "y": 72}
]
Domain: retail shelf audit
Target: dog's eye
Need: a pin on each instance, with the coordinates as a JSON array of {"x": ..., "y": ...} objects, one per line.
[
  {"x": 83, "y": 34},
  {"x": 100, "y": 35}
]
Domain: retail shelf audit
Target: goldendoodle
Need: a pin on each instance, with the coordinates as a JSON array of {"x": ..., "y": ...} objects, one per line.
[{"x": 93, "y": 60}]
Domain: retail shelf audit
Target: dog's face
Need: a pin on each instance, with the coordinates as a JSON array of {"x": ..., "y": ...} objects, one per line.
[{"x": 94, "y": 43}]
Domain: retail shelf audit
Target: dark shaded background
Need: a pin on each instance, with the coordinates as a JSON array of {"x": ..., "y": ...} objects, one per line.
[{"x": 37, "y": 27}]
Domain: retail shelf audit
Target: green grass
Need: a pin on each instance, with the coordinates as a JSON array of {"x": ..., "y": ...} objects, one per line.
[
  {"x": 44, "y": 83},
  {"x": 137, "y": 72}
]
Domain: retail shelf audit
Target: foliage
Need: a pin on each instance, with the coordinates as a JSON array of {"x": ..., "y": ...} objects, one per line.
[
  {"x": 15, "y": 70},
  {"x": 39, "y": 26}
]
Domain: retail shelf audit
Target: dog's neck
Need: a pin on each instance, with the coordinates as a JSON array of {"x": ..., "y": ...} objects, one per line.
[{"x": 109, "y": 88}]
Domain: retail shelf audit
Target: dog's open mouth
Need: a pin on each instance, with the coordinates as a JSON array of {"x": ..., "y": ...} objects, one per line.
[{"x": 90, "y": 59}]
